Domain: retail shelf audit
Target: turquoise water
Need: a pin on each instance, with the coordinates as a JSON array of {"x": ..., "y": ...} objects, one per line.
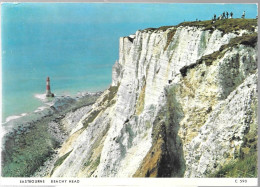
[
  {"x": 72, "y": 61},
  {"x": 77, "y": 44}
]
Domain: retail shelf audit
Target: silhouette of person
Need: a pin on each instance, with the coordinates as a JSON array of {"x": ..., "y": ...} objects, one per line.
[
  {"x": 223, "y": 15},
  {"x": 231, "y": 14},
  {"x": 244, "y": 14}
]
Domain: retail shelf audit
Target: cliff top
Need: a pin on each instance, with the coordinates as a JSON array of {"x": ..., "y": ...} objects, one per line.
[{"x": 226, "y": 25}]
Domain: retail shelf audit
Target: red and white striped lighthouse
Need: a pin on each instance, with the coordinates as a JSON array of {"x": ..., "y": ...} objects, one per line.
[{"x": 48, "y": 88}]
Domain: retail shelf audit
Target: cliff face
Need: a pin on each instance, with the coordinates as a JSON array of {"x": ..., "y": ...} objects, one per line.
[{"x": 183, "y": 102}]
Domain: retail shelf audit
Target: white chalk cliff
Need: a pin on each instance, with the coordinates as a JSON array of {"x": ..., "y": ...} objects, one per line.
[{"x": 181, "y": 103}]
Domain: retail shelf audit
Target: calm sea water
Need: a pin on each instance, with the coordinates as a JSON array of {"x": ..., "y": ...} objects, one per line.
[{"x": 74, "y": 61}]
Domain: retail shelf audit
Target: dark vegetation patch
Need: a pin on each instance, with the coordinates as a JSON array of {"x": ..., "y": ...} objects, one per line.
[
  {"x": 165, "y": 157},
  {"x": 86, "y": 101},
  {"x": 112, "y": 92},
  {"x": 91, "y": 117},
  {"x": 162, "y": 28},
  {"x": 60, "y": 161},
  {"x": 245, "y": 164},
  {"x": 97, "y": 162},
  {"x": 242, "y": 167},
  {"x": 140, "y": 101},
  {"x": 247, "y": 39},
  {"x": 106, "y": 102},
  {"x": 150, "y": 29},
  {"x": 30, "y": 145},
  {"x": 170, "y": 35},
  {"x": 92, "y": 165},
  {"x": 93, "y": 158},
  {"x": 24, "y": 153},
  {"x": 226, "y": 25}
]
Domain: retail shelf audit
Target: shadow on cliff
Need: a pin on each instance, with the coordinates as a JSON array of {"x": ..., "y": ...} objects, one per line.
[
  {"x": 165, "y": 158},
  {"x": 172, "y": 163}
]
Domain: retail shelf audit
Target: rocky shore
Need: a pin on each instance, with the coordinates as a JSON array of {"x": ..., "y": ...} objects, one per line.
[{"x": 30, "y": 143}]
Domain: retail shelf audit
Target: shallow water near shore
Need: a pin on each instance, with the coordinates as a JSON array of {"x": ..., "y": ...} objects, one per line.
[
  {"x": 19, "y": 103},
  {"x": 45, "y": 103}
]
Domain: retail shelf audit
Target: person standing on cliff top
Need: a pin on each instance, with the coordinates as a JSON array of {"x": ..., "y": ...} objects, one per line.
[
  {"x": 224, "y": 15},
  {"x": 227, "y": 14},
  {"x": 243, "y": 15},
  {"x": 231, "y": 14}
]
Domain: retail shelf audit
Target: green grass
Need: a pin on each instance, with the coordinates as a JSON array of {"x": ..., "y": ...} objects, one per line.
[
  {"x": 226, "y": 25},
  {"x": 87, "y": 163},
  {"x": 97, "y": 162},
  {"x": 247, "y": 39},
  {"x": 24, "y": 153},
  {"x": 162, "y": 28},
  {"x": 93, "y": 164},
  {"x": 60, "y": 161},
  {"x": 140, "y": 101},
  {"x": 170, "y": 35},
  {"x": 108, "y": 98},
  {"x": 246, "y": 163},
  {"x": 112, "y": 93},
  {"x": 92, "y": 116},
  {"x": 242, "y": 167}
]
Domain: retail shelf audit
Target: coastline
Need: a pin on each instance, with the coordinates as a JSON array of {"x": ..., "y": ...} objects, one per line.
[
  {"x": 44, "y": 109},
  {"x": 41, "y": 133}
]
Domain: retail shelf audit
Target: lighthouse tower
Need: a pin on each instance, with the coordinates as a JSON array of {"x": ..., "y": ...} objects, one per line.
[{"x": 48, "y": 88}]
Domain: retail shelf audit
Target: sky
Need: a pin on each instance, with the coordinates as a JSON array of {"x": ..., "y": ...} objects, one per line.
[{"x": 76, "y": 44}]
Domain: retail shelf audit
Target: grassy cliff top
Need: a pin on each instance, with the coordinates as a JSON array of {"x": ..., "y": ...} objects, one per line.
[{"x": 226, "y": 25}]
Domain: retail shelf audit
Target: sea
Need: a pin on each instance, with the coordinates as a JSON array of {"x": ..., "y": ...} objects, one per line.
[
  {"x": 75, "y": 63},
  {"x": 24, "y": 86}
]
